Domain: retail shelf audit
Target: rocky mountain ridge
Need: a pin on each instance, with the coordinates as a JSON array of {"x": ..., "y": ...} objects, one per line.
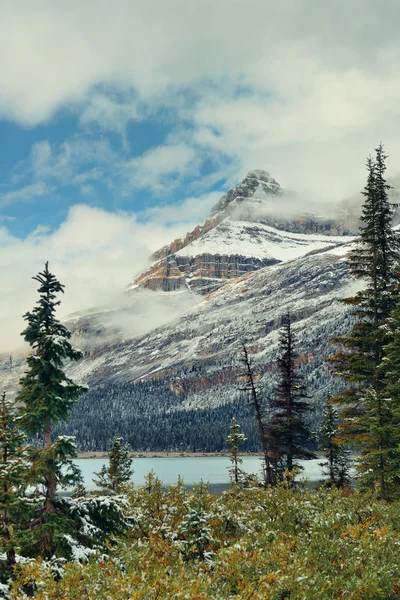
[{"x": 245, "y": 231}]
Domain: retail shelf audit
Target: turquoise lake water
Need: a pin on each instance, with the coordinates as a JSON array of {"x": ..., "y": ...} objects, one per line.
[{"x": 191, "y": 469}]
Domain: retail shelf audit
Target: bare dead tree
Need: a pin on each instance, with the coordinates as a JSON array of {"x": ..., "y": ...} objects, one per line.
[{"x": 250, "y": 386}]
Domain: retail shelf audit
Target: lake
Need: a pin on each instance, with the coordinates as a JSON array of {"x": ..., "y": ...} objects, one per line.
[{"x": 213, "y": 469}]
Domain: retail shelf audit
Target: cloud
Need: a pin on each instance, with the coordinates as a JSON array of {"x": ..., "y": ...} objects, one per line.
[
  {"x": 302, "y": 88},
  {"x": 26, "y": 193},
  {"x": 64, "y": 162},
  {"x": 161, "y": 168},
  {"x": 110, "y": 112},
  {"x": 92, "y": 175},
  {"x": 190, "y": 210},
  {"x": 155, "y": 46},
  {"x": 95, "y": 253}
]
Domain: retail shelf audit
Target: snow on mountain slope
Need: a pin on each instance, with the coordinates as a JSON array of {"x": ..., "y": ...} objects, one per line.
[
  {"x": 202, "y": 348},
  {"x": 257, "y": 240}
]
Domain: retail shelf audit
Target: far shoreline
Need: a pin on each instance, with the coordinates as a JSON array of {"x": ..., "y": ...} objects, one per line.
[{"x": 166, "y": 454}]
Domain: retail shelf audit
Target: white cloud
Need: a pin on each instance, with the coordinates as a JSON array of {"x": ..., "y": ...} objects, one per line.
[
  {"x": 110, "y": 113},
  {"x": 95, "y": 253},
  {"x": 302, "y": 88},
  {"x": 58, "y": 56},
  {"x": 162, "y": 167},
  {"x": 25, "y": 193},
  {"x": 64, "y": 162},
  {"x": 191, "y": 210},
  {"x": 91, "y": 175}
]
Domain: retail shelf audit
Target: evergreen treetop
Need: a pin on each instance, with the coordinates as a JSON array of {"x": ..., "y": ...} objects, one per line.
[
  {"x": 112, "y": 478},
  {"x": 47, "y": 394},
  {"x": 338, "y": 462},
  {"x": 376, "y": 256}
]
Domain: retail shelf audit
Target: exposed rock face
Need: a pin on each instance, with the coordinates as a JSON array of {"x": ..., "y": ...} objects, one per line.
[
  {"x": 206, "y": 273},
  {"x": 163, "y": 275},
  {"x": 234, "y": 240},
  {"x": 203, "y": 274},
  {"x": 191, "y": 236}
]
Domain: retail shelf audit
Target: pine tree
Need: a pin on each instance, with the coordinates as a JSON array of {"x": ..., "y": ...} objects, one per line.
[
  {"x": 112, "y": 478},
  {"x": 235, "y": 439},
  {"x": 250, "y": 386},
  {"x": 289, "y": 431},
  {"x": 390, "y": 431},
  {"x": 47, "y": 396},
  {"x": 364, "y": 415},
  {"x": 14, "y": 457},
  {"x": 338, "y": 462}
]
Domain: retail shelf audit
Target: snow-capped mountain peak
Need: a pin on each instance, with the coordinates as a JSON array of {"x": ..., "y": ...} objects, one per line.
[
  {"x": 244, "y": 232},
  {"x": 257, "y": 184}
]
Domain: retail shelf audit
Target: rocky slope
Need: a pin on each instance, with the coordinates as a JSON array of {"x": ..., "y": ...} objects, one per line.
[
  {"x": 245, "y": 231},
  {"x": 207, "y": 338}
]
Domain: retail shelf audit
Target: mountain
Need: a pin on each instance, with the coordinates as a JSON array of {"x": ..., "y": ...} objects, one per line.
[
  {"x": 248, "y": 229},
  {"x": 164, "y": 367}
]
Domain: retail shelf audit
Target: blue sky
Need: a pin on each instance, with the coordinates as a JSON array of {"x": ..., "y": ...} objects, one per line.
[
  {"x": 123, "y": 123},
  {"x": 48, "y": 167}
]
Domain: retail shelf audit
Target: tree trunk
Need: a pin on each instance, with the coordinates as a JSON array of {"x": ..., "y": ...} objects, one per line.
[
  {"x": 268, "y": 477},
  {"x": 10, "y": 557},
  {"x": 10, "y": 553},
  {"x": 51, "y": 479}
]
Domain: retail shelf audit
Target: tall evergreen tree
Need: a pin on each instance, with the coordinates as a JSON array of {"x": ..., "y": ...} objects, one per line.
[
  {"x": 114, "y": 477},
  {"x": 390, "y": 430},
  {"x": 235, "y": 439},
  {"x": 290, "y": 408},
  {"x": 47, "y": 395},
  {"x": 338, "y": 463},
  {"x": 375, "y": 259}
]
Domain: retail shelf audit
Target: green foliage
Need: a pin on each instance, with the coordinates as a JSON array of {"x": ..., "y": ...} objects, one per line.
[
  {"x": 235, "y": 439},
  {"x": 47, "y": 394},
  {"x": 57, "y": 459},
  {"x": 366, "y": 413},
  {"x": 338, "y": 463},
  {"x": 14, "y": 466},
  {"x": 289, "y": 431},
  {"x": 253, "y": 543},
  {"x": 380, "y": 460},
  {"x": 114, "y": 477},
  {"x": 376, "y": 256},
  {"x": 390, "y": 369}
]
